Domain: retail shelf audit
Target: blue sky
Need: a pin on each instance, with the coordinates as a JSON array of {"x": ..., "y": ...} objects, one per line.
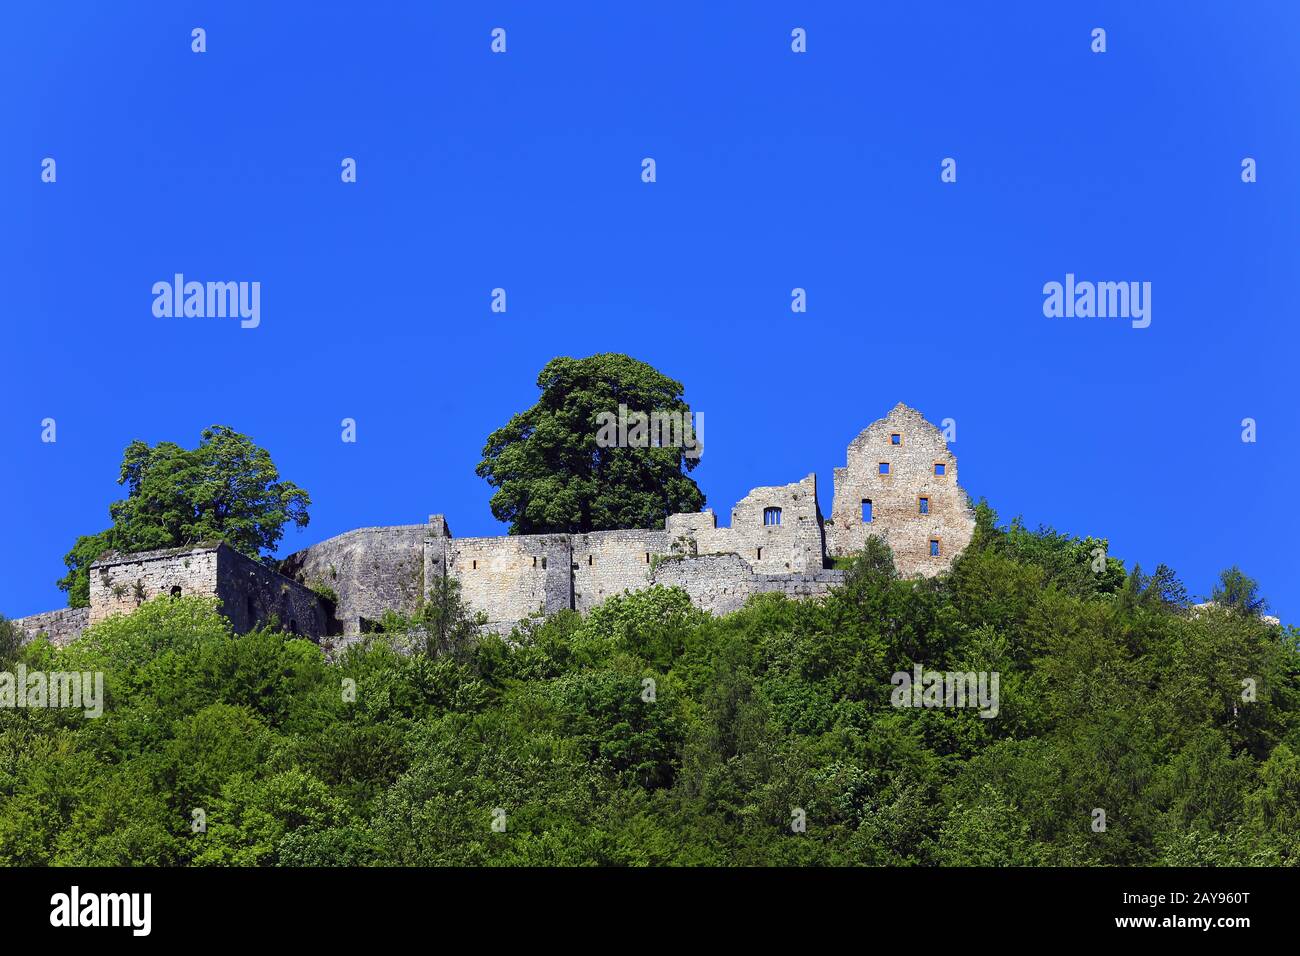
[{"x": 775, "y": 170}]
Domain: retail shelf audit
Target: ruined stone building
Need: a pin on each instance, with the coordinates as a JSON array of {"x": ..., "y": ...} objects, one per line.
[{"x": 899, "y": 483}]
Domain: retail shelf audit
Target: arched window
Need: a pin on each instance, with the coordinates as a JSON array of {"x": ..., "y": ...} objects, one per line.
[{"x": 771, "y": 516}]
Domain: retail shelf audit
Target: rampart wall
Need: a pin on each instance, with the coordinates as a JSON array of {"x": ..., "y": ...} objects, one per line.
[{"x": 899, "y": 483}]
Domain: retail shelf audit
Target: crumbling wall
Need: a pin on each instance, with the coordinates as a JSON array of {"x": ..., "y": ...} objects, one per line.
[
  {"x": 61, "y": 627},
  {"x": 120, "y": 583},
  {"x": 790, "y": 542},
  {"x": 252, "y": 595},
  {"x": 895, "y": 497},
  {"x": 509, "y": 578},
  {"x": 794, "y": 544},
  {"x": 722, "y": 583}
]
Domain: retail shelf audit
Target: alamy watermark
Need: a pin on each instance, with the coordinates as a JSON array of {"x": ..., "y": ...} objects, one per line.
[
  {"x": 72, "y": 690},
  {"x": 130, "y": 910},
  {"x": 208, "y": 300},
  {"x": 658, "y": 429},
  {"x": 932, "y": 689},
  {"x": 1101, "y": 300}
]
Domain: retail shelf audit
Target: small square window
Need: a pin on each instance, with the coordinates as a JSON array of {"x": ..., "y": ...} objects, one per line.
[
  {"x": 940, "y": 468},
  {"x": 771, "y": 516},
  {"x": 884, "y": 467},
  {"x": 934, "y": 547},
  {"x": 923, "y": 506},
  {"x": 896, "y": 439}
]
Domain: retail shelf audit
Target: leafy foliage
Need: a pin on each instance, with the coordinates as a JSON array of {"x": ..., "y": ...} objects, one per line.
[
  {"x": 227, "y": 489},
  {"x": 552, "y": 475},
  {"x": 11, "y": 640},
  {"x": 1236, "y": 590},
  {"x": 649, "y": 733}
]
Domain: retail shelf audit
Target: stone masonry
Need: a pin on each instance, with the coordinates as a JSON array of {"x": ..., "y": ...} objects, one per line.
[
  {"x": 250, "y": 594},
  {"x": 899, "y": 483},
  {"x": 901, "y": 475},
  {"x": 61, "y": 627}
]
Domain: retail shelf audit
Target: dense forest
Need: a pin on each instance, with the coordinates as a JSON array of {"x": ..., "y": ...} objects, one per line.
[{"x": 648, "y": 732}]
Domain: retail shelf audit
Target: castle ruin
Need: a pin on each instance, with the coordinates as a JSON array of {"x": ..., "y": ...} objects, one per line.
[{"x": 899, "y": 483}]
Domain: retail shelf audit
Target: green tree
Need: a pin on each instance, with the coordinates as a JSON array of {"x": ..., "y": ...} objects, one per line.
[
  {"x": 1162, "y": 589},
  {"x": 551, "y": 473},
  {"x": 648, "y": 732},
  {"x": 987, "y": 832},
  {"x": 252, "y": 815},
  {"x": 227, "y": 489},
  {"x": 447, "y": 622},
  {"x": 11, "y": 641},
  {"x": 1236, "y": 590}
]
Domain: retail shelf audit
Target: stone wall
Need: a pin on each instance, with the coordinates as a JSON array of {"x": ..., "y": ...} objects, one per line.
[
  {"x": 61, "y": 627},
  {"x": 120, "y": 583},
  {"x": 512, "y": 577},
  {"x": 250, "y": 593},
  {"x": 791, "y": 545},
  {"x": 896, "y": 497},
  {"x": 372, "y": 570},
  {"x": 777, "y": 541},
  {"x": 606, "y": 563},
  {"x": 722, "y": 583}
]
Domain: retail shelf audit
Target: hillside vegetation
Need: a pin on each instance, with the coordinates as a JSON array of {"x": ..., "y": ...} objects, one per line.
[{"x": 1113, "y": 696}]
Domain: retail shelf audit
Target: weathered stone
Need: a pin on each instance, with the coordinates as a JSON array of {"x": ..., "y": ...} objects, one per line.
[
  {"x": 777, "y": 542},
  {"x": 61, "y": 627},
  {"x": 250, "y": 594},
  {"x": 895, "y": 498},
  {"x": 371, "y": 570}
]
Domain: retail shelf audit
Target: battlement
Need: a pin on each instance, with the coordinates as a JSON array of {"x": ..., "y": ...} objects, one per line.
[{"x": 899, "y": 483}]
